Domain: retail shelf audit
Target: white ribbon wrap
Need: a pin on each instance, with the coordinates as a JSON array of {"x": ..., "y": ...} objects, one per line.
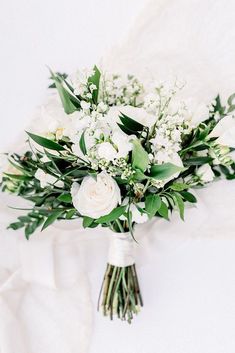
[{"x": 121, "y": 250}]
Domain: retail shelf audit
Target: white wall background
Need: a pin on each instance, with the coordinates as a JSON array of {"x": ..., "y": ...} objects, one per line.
[{"x": 63, "y": 34}]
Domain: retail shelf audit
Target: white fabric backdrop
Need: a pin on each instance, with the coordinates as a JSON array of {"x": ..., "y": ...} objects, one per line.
[{"x": 186, "y": 269}]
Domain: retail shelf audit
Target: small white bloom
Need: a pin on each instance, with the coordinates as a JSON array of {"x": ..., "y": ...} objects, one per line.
[
  {"x": 107, "y": 151},
  {"x": 123, "y": 143},
  {"x": 205, "y": 173},
  {"x": 96, "y": 198},
  {"x": 102, "y": 107},
  {"x": 225, "y": 131},
  {"x": 93, "y": 87},
  {"x": 85, "y": 105},
  {"x": 47, "y": 179}
]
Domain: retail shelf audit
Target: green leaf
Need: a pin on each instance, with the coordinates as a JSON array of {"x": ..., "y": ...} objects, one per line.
[
  {"x": 87, "y": 221},
  {"x": 139, "y": 175},
  {"x": 52, "y": 218},
  {"x": 129, "y": 220},
  {"x": 44, "y": 142},
  {"x": 164, "y": 171},
  {"x": 70, "y": 214},
  {"x": 95, "y": 80},
  {"x": 152, "y": 204},
  {"x": 130, "y": 123},
  {"x": 70, "y": 102},
  {"x": 67, "y": 198},
  {"x": 163, "y": 210},
  {"x": 231, "y": 99},
  {"x": 114, "y": 214},
  {"x": 126, "y": 130},
  {"x": 180, "y": 204},
  {"x": 198, "y": 160},
  {"x": 25, "y": 219},
  {"x": 188, "y": 196},
  {"x": 179, "y": 186},
  {"x": 218, "y": 106},
  {"x": 140, "y": 158},
  {"x": 30, "y": 229},
  {"x": 15, "y": 225},
  {"x": 18, "y": 177},
  {"x": 82, "y": 144}
]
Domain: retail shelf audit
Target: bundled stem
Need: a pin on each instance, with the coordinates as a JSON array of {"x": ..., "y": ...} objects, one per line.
[{"x": 120, "y": 293}]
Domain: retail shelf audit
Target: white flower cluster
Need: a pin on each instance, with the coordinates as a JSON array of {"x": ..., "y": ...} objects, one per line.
[
  {"x": 172, "y": 121},
  {"x": 118, "y": 90},
  {"x": 81, "y": 85},
  {"x": 161, "y": 95}
]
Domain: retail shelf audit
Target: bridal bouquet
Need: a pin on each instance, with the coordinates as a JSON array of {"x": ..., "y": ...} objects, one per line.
[{"x": 115, "y": 153}]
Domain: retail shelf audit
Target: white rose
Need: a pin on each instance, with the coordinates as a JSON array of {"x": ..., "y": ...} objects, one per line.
[
  {"x": 107, "y": 151},
  {"x": 96, "y": 198},
  {"x": 205, "y": 173},
  {"x": 47, "y": 179},
  {"x": 138, "y": 114},
  {"x": 225, "y": 131}
]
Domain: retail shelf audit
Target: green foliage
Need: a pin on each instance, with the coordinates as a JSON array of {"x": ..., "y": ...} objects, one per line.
[
  {"x": 70, "y": 102},
  {"x": 130, "y": 123},
  {"x": 87, "y": 221},
  {"x": 140, "y": 158},
  {"x": 95, "y": 80},
  {"x": 188, "y": 196},
  {"x": 82, "y": 144},
  {"x": 66, "y": 198},
  {"x": 164, "y": 171},
  {"x": 54, "y": 215},
  {"x": 44, "y": 142},
  {"x": 50, "y": 202},
  {"x": 198, "y": 160},
  {"x": 178, "y": 186},
  {"x": 180, "y": 204},
  {"x": 112, "y": 216},
  {"x": 152, "y": 204},
  {"x": 163, "y": 210}
]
